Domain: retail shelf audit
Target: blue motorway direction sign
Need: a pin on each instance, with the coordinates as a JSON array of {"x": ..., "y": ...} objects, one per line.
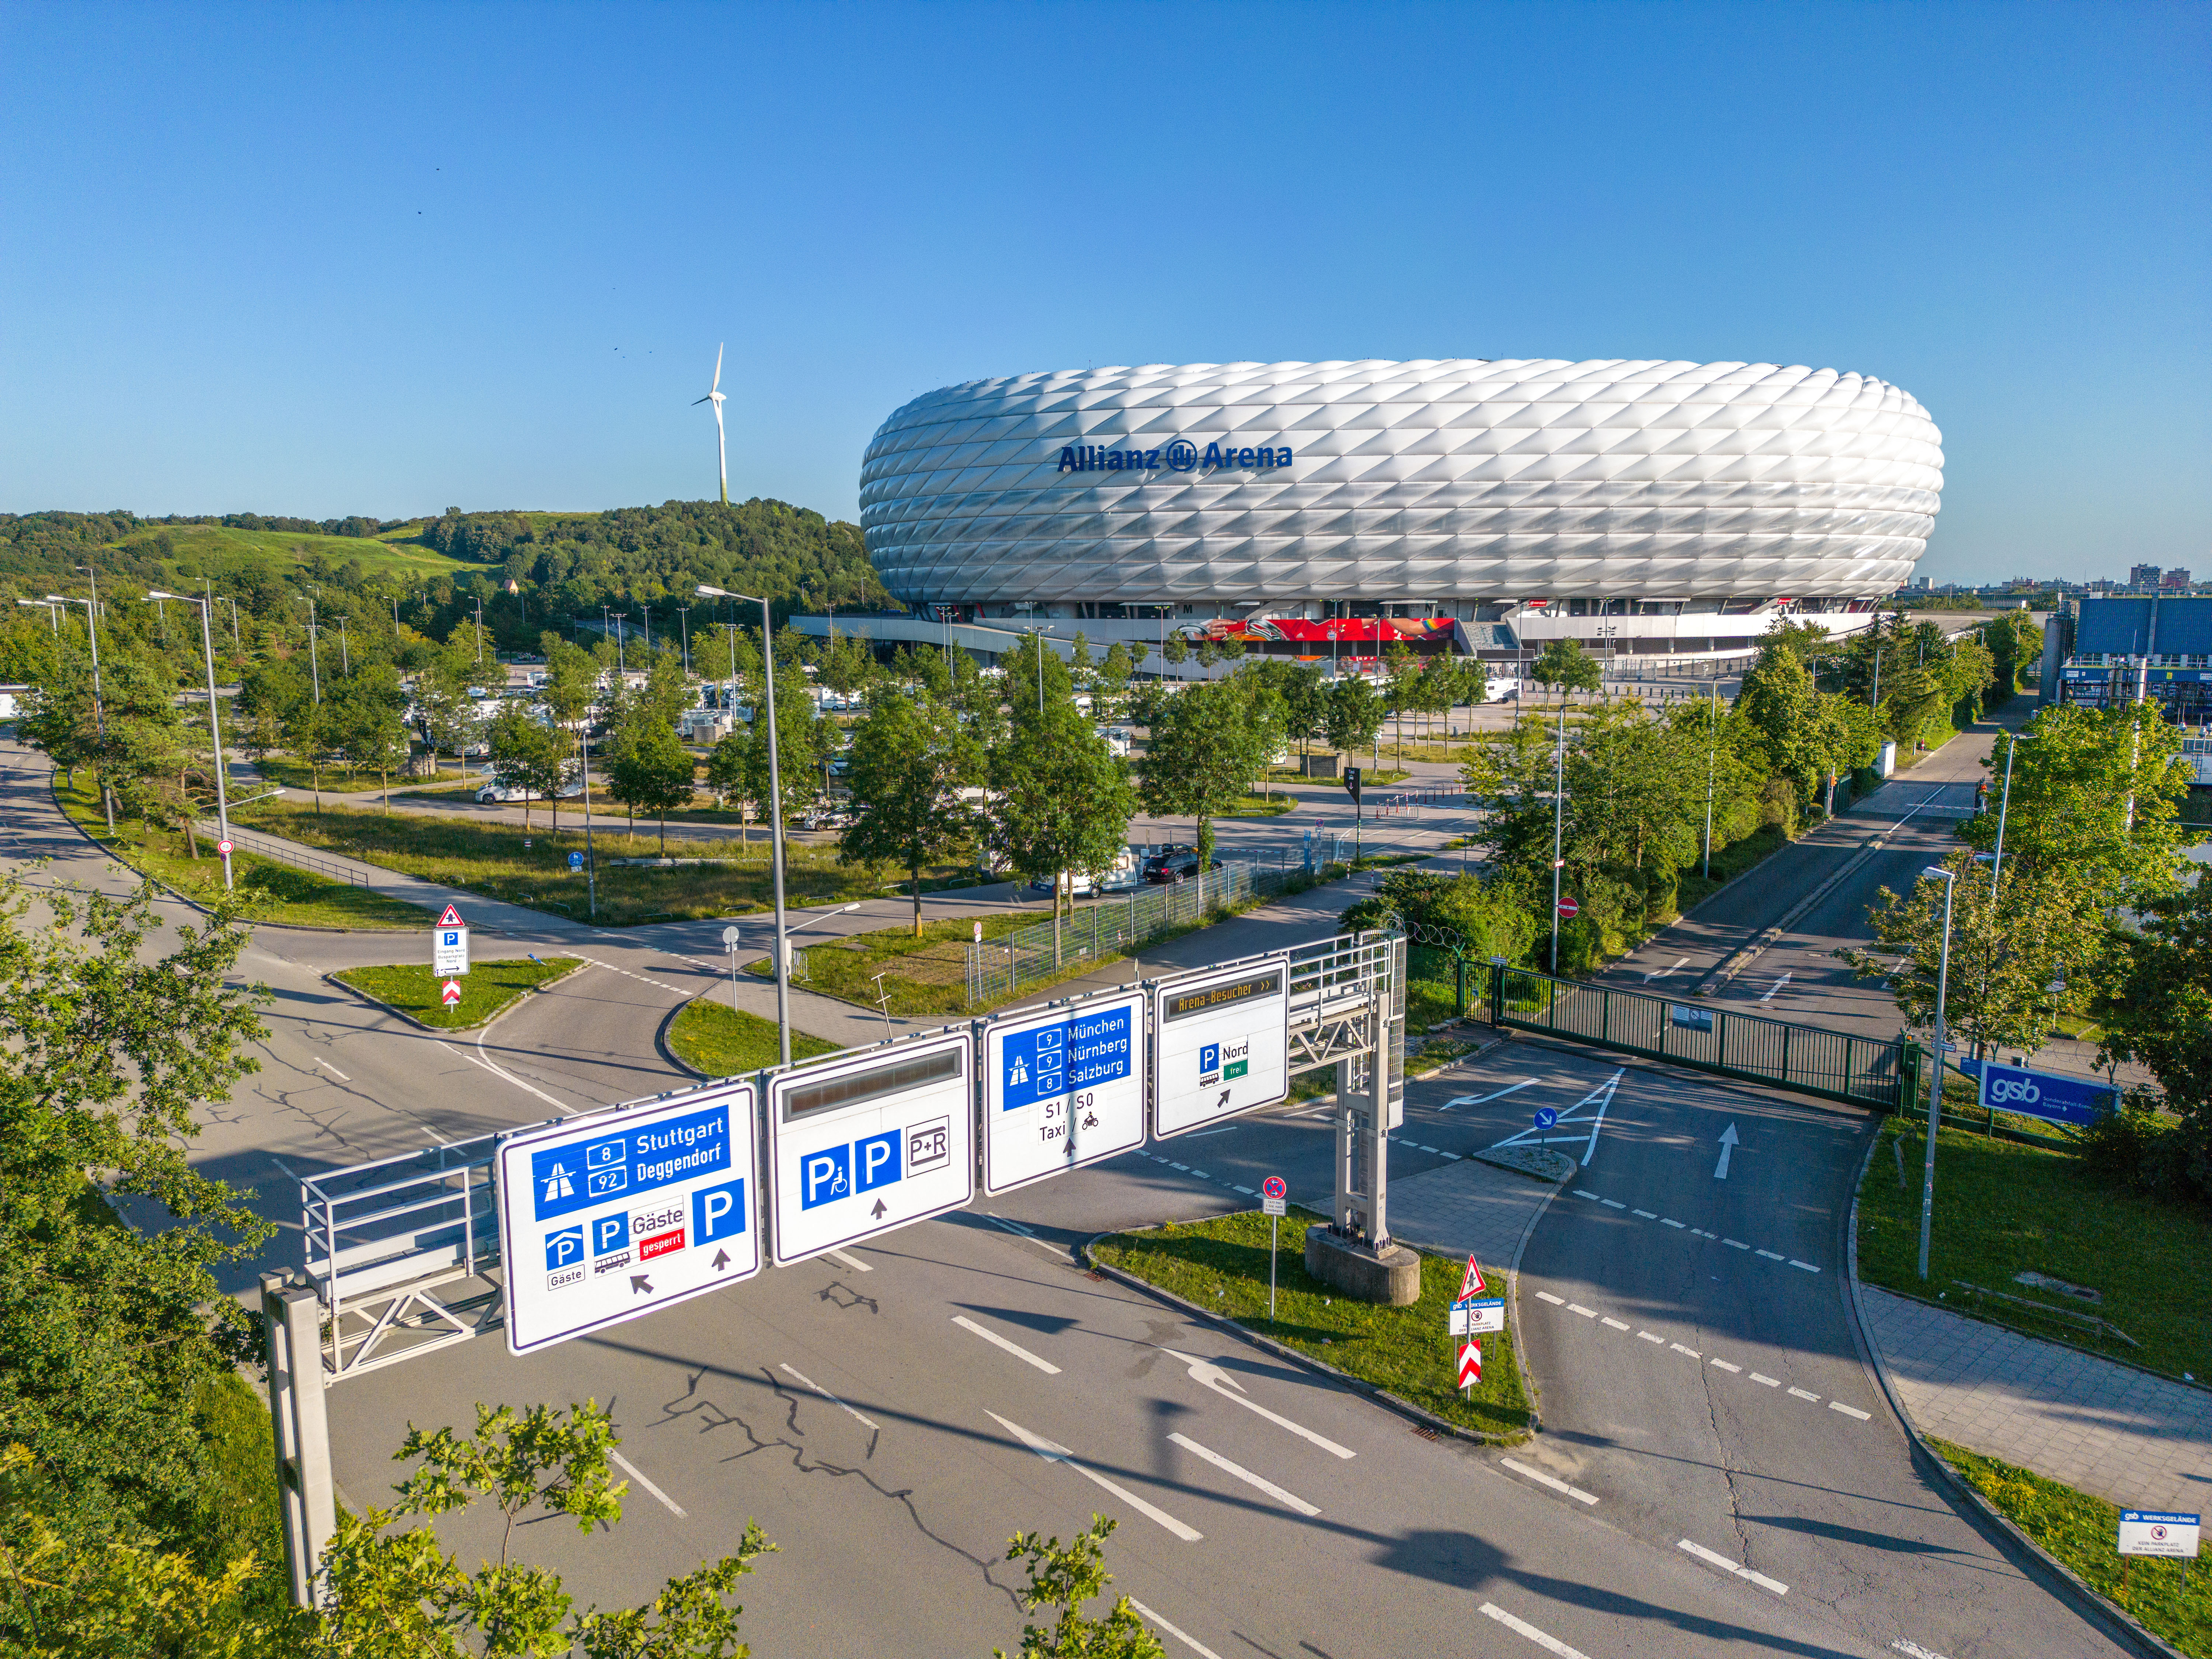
[
  {"x": 629, "y": 1210},
  {"x": 1062, "y": 1088}
]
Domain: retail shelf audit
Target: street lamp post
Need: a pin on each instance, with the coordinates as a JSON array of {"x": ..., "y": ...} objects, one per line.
[
  {"x": 53, "y": 612},
  {"x": 774, "y": 814},
  {"x": 1950, "y": 881},
  {"x": 214, "y": 728},
  {"x": 683, "y": 626},
  {"x": 1712, "y": 755},
  {"x": 99, "y": 702},
  {"x": 1559, "y": 804},
  {"x": 315, "y": 666}
]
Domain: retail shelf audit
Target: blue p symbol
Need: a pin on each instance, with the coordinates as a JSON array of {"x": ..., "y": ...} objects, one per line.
[
  {"x": 718, "y": 1212},
  {"x": 564, "y": 1248},
  {"x": 610, "y": 1232},
  {"x": 879, "y": 1160},
  {"x": 824, "y": 1176}
]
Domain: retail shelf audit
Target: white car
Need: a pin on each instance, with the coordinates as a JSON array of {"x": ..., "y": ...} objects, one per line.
[
  {"x": 1117, "y": 740},
  {"x": 501, "y": 794}
]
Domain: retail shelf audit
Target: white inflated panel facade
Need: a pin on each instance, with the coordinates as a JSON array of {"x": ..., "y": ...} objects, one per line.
[{"x": 1454, "y": 478}]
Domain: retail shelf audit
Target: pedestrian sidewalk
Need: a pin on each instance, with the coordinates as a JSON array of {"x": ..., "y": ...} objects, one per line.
[{"x": 2129, "y": 1437}]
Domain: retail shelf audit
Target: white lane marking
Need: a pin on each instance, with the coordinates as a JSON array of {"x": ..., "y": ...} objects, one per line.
[
  {"x": 333, "y": 1070},
  {"x": 1848, "y": 1411},
  {"x": 1577, "y": 1307},
  {"x": 1726, "y": 1566},
  {"x": 1736, "y": 1244},
  {"x": 1483, "y": 1100},
  {"x": 1604, "y": 1100},
  {"x": 1053, "y": 1453},
  {"x": 851, "y": 1261},
  {"x": 1771, "y": 1382},
  {"x": 1593, "y": 1197},
  {"x": 1246, "y": 1475},
  {"x": 1223, "y": 1130},
  {"x": 1601, "y": 1098},
  {"x": 283, "y": 1165},
  {"x": 831, "y": 1397},
  {"x": 1010, "y": 1226},
  {"x": 1201, "y": 1174},
  {"x": 1247, "y": 1191},
  {"x": 1662, "y": 973},
  {"x": 1185, "y": 1168},
  {"x": 1776, "y": 985},
  {"x": 1013, "y": 1348},
  {"x": 1551, "y": 1480},
  {"x": 1802, "y": 1395},
  {"x": 1728, "y": 1145},
  {"x": 1723, "y": 1364},
  {"x": 1678, "y": 1348},
  {"x": 1455, "y": 1157},
  {"x": 1772, "y": 1256},
  {"x": 1615, "y": 1323},
  {"x": 1615, "y": 1204},
  {"x": 656, "y": 984},
  {"x": 1648, "y": 1336},
  {"x": 1806, "y": 1266},
  {"x": 1208, "y": 1375},
  {"x": 480, "y": 1058},
  {"x": 646, "y": 1482},
  {"x": 1522, "y": 1628},
  {"x": 1187, "y": 1640},
  {"x": 1669, "y": 1221},
  {"x": 1647, "y": 1214},
  {"x": 1912, "y": 1649},
  {"x": 1556, "y": 1301}
]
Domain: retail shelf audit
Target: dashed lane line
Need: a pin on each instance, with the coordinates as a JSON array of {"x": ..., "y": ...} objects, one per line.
[
  {"x": 1717, "y": 1363},
  {"x": 1543, "y": 1639},
  {"x": 1013, "y": 1348},
  {"x": 1716, "y": 1558},
  {"x": 658, "y": 985},
  {"x": 1694, "y": 1232},
  {"x": 1055, "y": 1453},
  {"x": 1551, "y": 1480},
  {"x": 644, "y": 1481},
  {"x": 1183, "y": 1636},
  {"x": 1290, "y": 1500},
  {"x": 1848, "y": 1411}
]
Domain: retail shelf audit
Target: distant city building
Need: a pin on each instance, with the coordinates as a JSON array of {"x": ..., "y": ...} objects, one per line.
[
  {"x": 2174, "y": 579},
  {"x": 2124, "y": 646},
  {"x": 2144, "y": 575}
]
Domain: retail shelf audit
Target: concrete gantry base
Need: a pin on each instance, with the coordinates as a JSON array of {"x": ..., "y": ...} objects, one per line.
[{"x": 1393, "y": 1277}]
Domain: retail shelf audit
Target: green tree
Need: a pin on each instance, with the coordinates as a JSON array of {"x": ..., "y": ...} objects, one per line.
[
  {"x": 1206, "y": 748},
  {"x": 1563, "y": 666},
  {"x": 1064, "y": 801},
  {"x": 652, "y": 774},
  {"x": 1354, "y": 715},
  {"x": 398, "y": 1594},
  {"x": 799, "y": 742},
  {"x": 2015, "y": 646},
  {"x": 910, "y": 761},
  {"x": 369, "y": 735},
  {"x": 109, "y": 1334},
  {"x": 529, "y": 755},
  {"x": 728, "y": 772},
  {"x": 1068, "y": 1576},
  {"x": 2161, "y": 1017},
  {"x": 61, "y": 719}
]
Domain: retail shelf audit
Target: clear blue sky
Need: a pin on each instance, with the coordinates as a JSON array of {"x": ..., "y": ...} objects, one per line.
[{"x": 323, "y": 259}]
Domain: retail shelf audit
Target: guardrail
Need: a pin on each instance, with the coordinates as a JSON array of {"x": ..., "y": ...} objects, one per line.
[
  {"x": 283, "y": 852},
  {"x": 1808, "y": 1059}
]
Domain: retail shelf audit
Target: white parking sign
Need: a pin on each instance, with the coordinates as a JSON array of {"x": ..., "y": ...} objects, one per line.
[
  {"x": 1062, "y": 1088},
  {"x": 607, "y": 1217},
  {"x": 868, "y": 1142},
  {"x": 1220, "y": 1044}
]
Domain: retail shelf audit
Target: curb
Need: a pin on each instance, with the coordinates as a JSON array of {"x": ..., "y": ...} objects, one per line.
[
  {"x": 1388, "y": 1402},
  {"x": 486, "y": 1023},
  {"x": 668, "y": 1049},
  {"x": 1745, "y": 954},
  {"x": 2112, "y": 1620}
]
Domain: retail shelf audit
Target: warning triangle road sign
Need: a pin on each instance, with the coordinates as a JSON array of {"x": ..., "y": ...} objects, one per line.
[
  {"x": 1471, "y": 1283},
  {"x": 1470, "y": 1365},
  {"x": 450, "y": 918}
]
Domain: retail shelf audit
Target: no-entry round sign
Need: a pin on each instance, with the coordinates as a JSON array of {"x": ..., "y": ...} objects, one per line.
[
  {"x": 1273, "y": 1187},
  {"x": 223, "y": 847},
  {"x": 1569, "y": 907}
]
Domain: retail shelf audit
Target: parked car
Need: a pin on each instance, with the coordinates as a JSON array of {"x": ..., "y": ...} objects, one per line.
[
  {"x": 1123, "y": 875},
  {"x": 1175, "y": 864},
  {"x": 1117, "y": 740},
  {"x": 498, "y": 793}
]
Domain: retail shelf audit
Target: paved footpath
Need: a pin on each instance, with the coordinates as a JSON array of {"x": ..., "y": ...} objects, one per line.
[{"x": 2131, "y": 1438}]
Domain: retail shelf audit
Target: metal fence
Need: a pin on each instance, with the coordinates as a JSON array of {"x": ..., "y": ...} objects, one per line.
[
  {"x": 1807, "y": 1059},
  {"x": 1118, "y": 925},
  {"x": 285, "y": 852}
]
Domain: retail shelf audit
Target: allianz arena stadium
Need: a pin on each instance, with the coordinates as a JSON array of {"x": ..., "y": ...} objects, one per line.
[{"x": 1664, "y": 511}]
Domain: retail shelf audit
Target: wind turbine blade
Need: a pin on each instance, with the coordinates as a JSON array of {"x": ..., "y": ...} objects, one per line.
[
  {"x": 717, "y": 386},
  {"x": 696, "y": 401}
]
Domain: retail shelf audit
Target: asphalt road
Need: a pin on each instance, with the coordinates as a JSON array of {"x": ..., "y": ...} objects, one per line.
[{"x": 889, "y": 1448}]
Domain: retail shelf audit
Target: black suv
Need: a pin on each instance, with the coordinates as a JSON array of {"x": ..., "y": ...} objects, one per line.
[{"x": 1173, "y": 864}]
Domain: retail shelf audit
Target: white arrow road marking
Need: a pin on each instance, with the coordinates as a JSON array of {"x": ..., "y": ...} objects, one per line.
[
  {"x": 1776, "y": 985},
  {"x": 1716, "y": 1558},
  {"x": 643, "y": 1479},
  {"x": 1661, "y": 973},
  {"x": 1601, "y": 1098},
  {"x": 1015, "y": 1349},
  {"x": 1551, "y": 1480},
  {"x": 1053, "y": 1453},
  {"x": 1209, "y": 1375},
  {"x": 1246, "y": 1475},
  {"x": 1188, "y": 1640},
  {"x": 1728, "y": 1145},
  {"x": 1478, "y": 1100},
  {"x": 1522, "y": 1628},
  {"x": 810, "y": 1382}
]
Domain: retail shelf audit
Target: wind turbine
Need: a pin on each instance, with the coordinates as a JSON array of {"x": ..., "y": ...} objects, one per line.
[{"x": 722, "y": 442}]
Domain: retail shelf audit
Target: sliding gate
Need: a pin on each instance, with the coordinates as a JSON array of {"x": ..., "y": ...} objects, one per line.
[{"x": 1861, "y": 1070}]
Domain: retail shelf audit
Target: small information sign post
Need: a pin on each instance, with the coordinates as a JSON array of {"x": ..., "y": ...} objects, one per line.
[
  {"x": 2158, "y": 1532},
  {"x": 449, "y": 945},
  {"x": 1274, "y": 1200}
]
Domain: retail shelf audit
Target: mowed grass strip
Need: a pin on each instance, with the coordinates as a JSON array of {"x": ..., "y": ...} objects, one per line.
[
  {"x": 486, "y": 988},
  {"x": 724, "y": 1042},
  {"x": 488, "y": 856},
  {"x": 2003, "y": 1209},
  {"x": 923, "y": 975},
  {"x": 1222, "y": 1265},
  {"x": 2084, "y": 1532},
  {"x": 283, "y": 893}
]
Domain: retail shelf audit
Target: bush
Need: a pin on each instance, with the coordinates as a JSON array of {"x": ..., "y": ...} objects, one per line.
[{"x": 2138, "y": 1148}]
